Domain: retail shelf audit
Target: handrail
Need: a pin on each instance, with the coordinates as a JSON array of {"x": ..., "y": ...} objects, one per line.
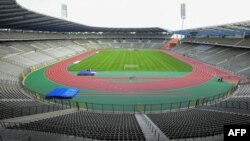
[{"x": 138, "y": 108}]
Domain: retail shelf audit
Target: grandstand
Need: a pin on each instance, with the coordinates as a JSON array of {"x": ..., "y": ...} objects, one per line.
[{"x": 180, "y": 101}]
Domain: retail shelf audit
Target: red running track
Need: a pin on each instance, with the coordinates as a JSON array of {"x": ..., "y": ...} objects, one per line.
[{"x": 201, "y": 73}]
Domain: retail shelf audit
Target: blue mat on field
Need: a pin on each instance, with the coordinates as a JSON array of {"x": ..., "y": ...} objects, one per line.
[{"x": 64, "y": 93}]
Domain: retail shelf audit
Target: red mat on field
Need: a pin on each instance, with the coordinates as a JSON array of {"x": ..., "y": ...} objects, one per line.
[{"x": 201, "y": 73}]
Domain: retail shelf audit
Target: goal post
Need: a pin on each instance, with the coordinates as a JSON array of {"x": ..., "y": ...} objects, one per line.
[{"x": 129, "y": 66}]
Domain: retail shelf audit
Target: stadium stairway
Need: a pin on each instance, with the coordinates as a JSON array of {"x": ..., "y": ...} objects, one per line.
[{"x": 150, "y": 131}]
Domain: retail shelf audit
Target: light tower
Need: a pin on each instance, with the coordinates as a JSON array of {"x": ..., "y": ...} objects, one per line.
[
  {"x": 64, "y": 12},
  {"x": 183, "y": 14}
]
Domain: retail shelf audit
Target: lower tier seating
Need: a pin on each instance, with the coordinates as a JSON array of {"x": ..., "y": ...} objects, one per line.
[
  {"x": 90, "y": 125},
  {"x": 11, "y": 109},
  {"x": 195, "y": 123}
]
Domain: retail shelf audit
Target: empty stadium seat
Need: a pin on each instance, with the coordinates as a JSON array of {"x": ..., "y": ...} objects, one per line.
[
  {"x": 195, "y": 123},
  {"x": 98, "y": 126}
]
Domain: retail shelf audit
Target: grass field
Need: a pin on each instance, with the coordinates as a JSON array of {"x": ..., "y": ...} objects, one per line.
[{"x": 134, "y": 60}]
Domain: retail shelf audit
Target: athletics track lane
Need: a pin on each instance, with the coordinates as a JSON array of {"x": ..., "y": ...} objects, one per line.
[{"x": 201, "y": 73}]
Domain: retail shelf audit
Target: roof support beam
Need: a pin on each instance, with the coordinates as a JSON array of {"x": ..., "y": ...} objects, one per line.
[
  {"x": 27, "y": 20},
  {"x": 19, "y": 17},
  {"x": 14, "y": 14},
  {"x": 40, "y": 23}
]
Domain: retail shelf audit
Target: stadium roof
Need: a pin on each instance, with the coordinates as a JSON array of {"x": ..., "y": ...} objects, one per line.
[
  {"x": 14, "y": 16},
  {"x": 233, "y": 29}
]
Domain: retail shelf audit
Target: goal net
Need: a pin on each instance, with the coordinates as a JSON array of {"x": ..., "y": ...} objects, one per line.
[{"x": 131, "y": 67}]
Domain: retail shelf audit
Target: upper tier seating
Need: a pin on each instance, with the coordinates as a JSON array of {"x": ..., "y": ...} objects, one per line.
[
  {"x": 25, "y": 47},
  {"x": 38, "y": 57},
  {"x": 5, "y": 77},
  {"x": 233, "y": 59},
  {"x": 17, "y": 35},
  {"x": 6, "y": 50},
  {"x": 10, "y": 69},
  {"x": 222, "y": 41},
  {"x": 19, "y": 60}
]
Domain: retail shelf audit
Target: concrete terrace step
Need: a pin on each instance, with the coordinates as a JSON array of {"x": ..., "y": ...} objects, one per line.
[
  {"x": 149, "y": 135},
  {"x": 159, "y": 135}
]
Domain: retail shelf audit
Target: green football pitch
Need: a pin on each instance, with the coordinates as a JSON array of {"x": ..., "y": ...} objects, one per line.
[{"x": 131, "y": 60}]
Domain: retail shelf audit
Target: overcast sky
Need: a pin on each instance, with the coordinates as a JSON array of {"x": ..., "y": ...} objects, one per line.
[{"x": 145, "y": 13}]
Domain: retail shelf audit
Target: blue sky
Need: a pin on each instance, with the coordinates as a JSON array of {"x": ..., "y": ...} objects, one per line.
[{"x": 145, "y": 13}]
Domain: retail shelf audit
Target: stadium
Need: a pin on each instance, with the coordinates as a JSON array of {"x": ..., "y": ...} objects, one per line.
[{"x": 61, "y": 80}]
